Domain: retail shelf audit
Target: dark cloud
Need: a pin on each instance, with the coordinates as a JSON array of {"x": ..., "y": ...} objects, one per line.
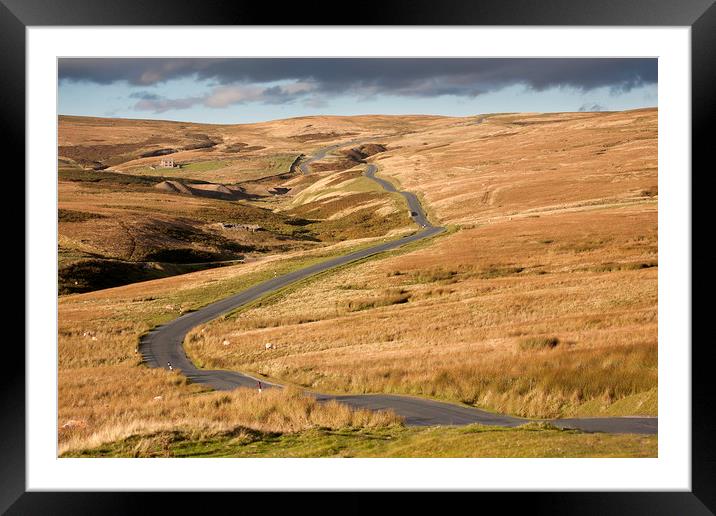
[
  {"x": 148, "y": 101},
  {"x": 408, "y": 77},
  {"x": 278, "y": 95},
  {"x": 144, "y": 95}
]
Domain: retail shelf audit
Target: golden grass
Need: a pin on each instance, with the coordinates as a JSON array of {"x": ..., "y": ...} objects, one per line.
[
  {"x": 450, "y": 320},
  {"x": 557, "y": 240},
  {"x": 102, "y": 405},
  {"x": 106, "y": 394},
  {"x": 520, "y": 163}
]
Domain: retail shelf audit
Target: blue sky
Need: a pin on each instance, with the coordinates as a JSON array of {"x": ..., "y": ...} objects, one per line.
[{"x": 252, "y": 90}]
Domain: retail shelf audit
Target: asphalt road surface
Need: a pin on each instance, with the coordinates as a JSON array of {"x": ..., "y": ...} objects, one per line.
[
  {"x": 321, "y": 153},
  {"x": 164, "y": 344}
]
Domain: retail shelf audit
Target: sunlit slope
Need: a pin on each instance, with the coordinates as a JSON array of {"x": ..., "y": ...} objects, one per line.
[{"x": 543, "y": 303}]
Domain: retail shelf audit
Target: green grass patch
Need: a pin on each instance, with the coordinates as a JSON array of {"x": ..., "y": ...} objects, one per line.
[
  {"x": 205, "y": 166},
  {"x": 360, "y": 184},
  {"x": 641, "y": 404},
  {"x": 468, "y": 441}
]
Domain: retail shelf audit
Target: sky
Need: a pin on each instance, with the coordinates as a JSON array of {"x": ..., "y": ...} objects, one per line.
[{"x": 245, "y": 90}]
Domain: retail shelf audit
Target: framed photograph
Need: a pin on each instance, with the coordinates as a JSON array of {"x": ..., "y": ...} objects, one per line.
[{"x": 421, "y": 250}]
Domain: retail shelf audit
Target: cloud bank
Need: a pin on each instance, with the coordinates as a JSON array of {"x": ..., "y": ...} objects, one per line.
[{"x": 242, "y": 80}]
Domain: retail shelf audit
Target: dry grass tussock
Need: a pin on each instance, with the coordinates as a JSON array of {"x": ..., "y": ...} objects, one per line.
[{"x": 110, "y": 404}]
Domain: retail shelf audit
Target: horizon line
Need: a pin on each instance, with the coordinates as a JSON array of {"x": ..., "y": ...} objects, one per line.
[{"x": 426, "y": 115}]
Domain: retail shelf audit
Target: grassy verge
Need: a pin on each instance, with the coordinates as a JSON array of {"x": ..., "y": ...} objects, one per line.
[
  {"x": 642, "y": 403},
  {"x": 392, "y": 441}
]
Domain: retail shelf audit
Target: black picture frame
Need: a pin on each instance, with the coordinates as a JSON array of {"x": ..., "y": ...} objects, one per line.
[{"x": 700, "y": 15}]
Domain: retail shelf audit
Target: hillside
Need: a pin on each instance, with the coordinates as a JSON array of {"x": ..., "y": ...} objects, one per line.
[{"x": 230, "y": 197}]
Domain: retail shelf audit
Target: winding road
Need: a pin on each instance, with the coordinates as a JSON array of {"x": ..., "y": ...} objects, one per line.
[
  {"x": 304, "y": 166},
  {"x": 164, "y": 344}
]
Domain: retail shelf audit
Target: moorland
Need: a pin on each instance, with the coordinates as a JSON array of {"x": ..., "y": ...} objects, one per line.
[{"x": 540, "y": 299}]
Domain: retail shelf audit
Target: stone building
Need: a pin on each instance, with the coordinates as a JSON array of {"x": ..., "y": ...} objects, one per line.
[{"x": 167, "y": 163}]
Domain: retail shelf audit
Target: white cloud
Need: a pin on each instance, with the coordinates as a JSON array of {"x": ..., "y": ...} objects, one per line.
[{"x": 224, "y": 96}]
